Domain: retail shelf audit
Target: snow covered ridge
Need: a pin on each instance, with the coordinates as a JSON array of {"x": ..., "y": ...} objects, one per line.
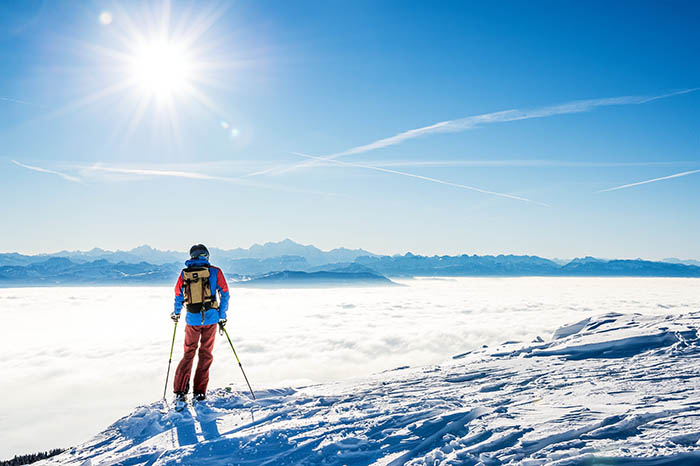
[{"x": 615, "y": 389}]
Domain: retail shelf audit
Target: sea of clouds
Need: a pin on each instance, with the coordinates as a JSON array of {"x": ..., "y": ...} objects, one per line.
[{"x": 76, "y": 359}]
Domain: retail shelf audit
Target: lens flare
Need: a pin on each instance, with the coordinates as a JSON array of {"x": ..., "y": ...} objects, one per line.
[{"x": 105, "y": 18}]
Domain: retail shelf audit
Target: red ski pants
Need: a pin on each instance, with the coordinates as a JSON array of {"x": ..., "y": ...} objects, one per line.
[{"x": 193, "y": 333}]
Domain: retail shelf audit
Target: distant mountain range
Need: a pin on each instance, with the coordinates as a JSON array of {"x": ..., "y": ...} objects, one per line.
[
  {"x": 288, "y": 263},
  {"x": 311, "y": 254},
  {"x": 412, "y": 265},
  {"x": 673, "y": 260},
  {"x": 63, "y": 271}
]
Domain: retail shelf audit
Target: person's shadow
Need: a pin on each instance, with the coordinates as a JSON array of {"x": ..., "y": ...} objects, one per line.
[
  {"x": 209, "y": 429},
  {"x": 186, "y": 432},
  {"x": 186, "y": 429}
]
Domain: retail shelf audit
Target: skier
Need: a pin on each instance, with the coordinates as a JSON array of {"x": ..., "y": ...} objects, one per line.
[{"x": 197, "y": 287}]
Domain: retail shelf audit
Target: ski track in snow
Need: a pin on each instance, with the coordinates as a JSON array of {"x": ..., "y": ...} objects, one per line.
[{"x": 615, "y": 389}]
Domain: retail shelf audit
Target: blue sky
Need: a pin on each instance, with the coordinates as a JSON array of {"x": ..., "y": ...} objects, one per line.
[{"x": 445, "y": 127}]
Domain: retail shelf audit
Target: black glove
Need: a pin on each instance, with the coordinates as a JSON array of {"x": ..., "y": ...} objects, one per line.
[
  {"x": 222, "y": 324},
  {"x": 174, "y": 316}
]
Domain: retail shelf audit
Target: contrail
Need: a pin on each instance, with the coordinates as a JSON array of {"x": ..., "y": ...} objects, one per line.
[
  {"x": 677, "y": 175},
  {"x": 420, "y": 177},
  {"x": 463, "y": 124},
  {"x": 16, "y": 101},
  {"x": 44, "y": 170},
  {"x": 150, "y": 172},
  {"x": 88, "y": 170},
  {"x": 532, "y": 163}
]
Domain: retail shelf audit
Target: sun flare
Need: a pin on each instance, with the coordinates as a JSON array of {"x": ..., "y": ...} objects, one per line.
[
  {"x": 160, "y": 63},
  {"x": 161, "y": 68}
]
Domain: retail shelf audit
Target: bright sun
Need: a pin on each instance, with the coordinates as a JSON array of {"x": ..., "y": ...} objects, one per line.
[
  {"x": 162, "y": 65},
  {"x": 162, "y": 69}
]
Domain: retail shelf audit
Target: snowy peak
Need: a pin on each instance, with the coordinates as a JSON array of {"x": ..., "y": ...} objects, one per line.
[
  {"x": 587, "y": 260},
  {"x": 615, "y": 389},
  {"x": 286, "y": 247},
  {"x": 313, "y": 255}
]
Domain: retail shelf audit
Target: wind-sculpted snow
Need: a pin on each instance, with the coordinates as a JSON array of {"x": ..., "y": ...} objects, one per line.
[{"x": 614, "y": 389}]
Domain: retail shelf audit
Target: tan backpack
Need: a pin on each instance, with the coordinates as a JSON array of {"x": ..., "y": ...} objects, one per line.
[{"x": 198, "y": 290}]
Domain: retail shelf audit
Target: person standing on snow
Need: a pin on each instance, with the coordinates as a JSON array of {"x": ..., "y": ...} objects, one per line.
[{"x": 197, "y": 288}]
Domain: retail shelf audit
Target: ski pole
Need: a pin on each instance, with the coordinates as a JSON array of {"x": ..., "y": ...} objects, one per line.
[
  {"x": 172, "y": 345},
  {"x": 239, "y": 361}
]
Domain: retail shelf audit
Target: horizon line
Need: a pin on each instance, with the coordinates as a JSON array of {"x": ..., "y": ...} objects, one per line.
[{"x": 184, "y": 252}]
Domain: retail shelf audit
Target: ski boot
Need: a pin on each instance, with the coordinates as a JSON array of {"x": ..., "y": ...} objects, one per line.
[{"x": 180, "y": 401}]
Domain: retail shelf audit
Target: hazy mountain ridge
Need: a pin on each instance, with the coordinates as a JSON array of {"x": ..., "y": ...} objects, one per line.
[
  {"x": 139, "y": 254},
  {"x": 509, "y": 265},
  {"x": 63, "y": 271},
  {"x": 271, "y": 250},
  {"x": 411, "y": 265},
  {"x": 346, "y": 276},
  {"x": 674, "y": 260},
  {"x": 635, "y": 267},
  {"x": 145, "y": 265},
  {"x": 313, "y": 255}
]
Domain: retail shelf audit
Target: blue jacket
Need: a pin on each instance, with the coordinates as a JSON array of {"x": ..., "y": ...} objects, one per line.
[{"x": 217, "y": 282}]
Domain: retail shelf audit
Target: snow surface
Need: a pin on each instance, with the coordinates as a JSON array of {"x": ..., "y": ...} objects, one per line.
[{"x": 613, "y": 389}]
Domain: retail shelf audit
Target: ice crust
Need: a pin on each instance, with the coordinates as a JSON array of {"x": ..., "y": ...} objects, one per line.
[{"x": 612, "y": 389}]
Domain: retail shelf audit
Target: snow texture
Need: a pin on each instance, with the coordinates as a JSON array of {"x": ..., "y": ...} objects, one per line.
[{"x": 612, "y": 389}]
